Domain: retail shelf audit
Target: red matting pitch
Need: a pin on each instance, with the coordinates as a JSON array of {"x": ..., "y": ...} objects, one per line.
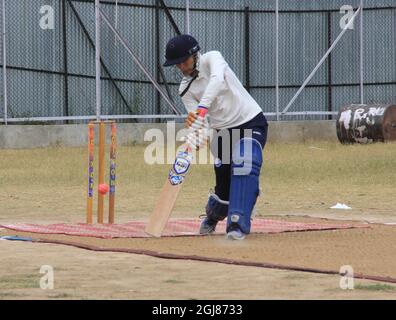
[{"x": 175, "y": 227}]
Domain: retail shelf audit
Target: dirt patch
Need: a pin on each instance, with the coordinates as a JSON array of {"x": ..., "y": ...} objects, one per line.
[
  {"x": 369, "y": 251},
  {"x": 81, "y": 274}
]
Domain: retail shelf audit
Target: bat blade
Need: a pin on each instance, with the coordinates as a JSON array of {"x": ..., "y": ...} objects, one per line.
[{"x": 163, "y": 209}]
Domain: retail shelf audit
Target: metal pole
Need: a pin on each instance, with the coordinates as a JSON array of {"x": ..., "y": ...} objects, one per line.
[
  {"x": 247, "y": 49},
  {"x": 361, "y": 54},
  {"x": 116, "y": 21},
  {"x": 277, "y": 59},
  {"x": 4, "y": 65},
  {"x": 329, "y": 68},
  {"x": 322, "y": 60},
  {"x": 65, "y": 66},
  {"x": 97, "y": 59},
  {"x": 144, "y": 116},
  {"x": 157, "y": 58},
  {"x": 187, "y": 17}
]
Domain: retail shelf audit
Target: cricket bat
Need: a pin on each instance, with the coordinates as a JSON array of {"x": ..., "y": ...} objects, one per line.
[{"x": 168, "y": 196}]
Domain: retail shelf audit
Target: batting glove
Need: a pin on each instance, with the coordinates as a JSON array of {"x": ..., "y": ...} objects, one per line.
[{"x": 196, "y": 119}]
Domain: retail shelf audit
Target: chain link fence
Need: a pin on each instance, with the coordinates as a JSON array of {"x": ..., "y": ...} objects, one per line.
[{"x": 50, "y": 55}]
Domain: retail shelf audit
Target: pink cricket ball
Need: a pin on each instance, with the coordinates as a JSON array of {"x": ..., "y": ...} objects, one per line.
[{"x": 103, "y": 188}]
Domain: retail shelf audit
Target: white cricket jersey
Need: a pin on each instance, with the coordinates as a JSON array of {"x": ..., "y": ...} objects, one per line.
[{"x": 218, "y": 89}]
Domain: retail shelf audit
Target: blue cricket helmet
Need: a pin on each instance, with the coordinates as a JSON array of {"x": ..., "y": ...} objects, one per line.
[{"x": 179, "y": 49}]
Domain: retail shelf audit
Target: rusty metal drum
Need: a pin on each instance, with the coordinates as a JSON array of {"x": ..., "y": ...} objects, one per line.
[{"x": 366, "y": 123}]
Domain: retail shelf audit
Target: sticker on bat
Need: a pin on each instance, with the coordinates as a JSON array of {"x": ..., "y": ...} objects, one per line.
[
  {"x": 174, "y": 178},
  {"x": 181, "y": 165}
]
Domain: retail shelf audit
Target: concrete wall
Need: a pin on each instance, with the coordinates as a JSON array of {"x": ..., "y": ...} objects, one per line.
[
  {"x": 36, "y": 136},
  {"x": 302, "y": 131}
]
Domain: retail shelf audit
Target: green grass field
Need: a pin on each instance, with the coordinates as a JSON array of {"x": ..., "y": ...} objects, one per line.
[{"x": 50, "y": 184}]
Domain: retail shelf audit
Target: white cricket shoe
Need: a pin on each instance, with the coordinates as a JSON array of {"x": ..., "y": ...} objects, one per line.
[{"x": 236, "y": 235}]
